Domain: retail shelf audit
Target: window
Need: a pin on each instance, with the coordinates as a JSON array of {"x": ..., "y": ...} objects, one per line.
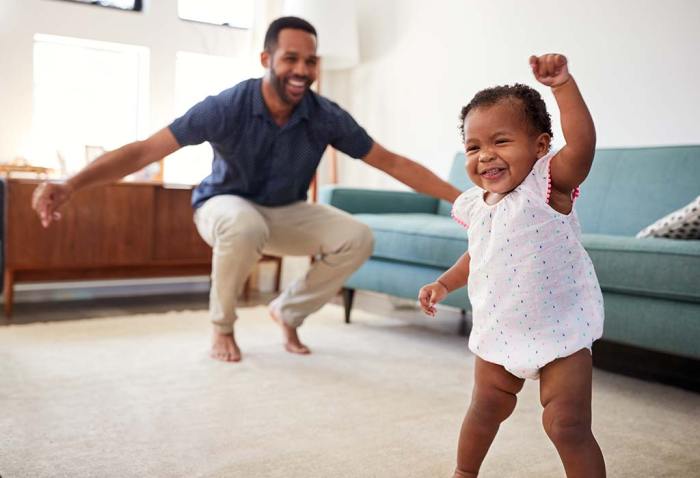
[
  {"x": 196, "y": 77},
  {"x": 232, "y": 13},
  {"x": 136, "y": 5},
  {"x": 87, "y": 95}
]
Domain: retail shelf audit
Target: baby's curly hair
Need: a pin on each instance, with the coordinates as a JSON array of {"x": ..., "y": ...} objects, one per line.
[{"x": 534, "y": 108}]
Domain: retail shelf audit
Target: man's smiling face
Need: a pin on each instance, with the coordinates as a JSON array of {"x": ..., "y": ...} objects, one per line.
[{"x": 292, "y": 65}]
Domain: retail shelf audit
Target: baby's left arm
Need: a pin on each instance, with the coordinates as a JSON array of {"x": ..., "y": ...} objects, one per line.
[{"x": 570, "y": 166}]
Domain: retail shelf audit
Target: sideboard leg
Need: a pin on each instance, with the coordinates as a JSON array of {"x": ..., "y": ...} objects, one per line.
[{"x": 8, "y": 292}]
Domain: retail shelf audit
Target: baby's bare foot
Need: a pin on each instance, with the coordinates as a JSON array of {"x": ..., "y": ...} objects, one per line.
[
  {"x": 224, "y": 348},
  {"x": 293, "y": 344}
]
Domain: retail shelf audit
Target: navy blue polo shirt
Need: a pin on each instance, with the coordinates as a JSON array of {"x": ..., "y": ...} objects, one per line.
[{"x": 255, "y": 158}]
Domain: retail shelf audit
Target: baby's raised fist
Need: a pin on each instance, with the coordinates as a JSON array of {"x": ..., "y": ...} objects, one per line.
[{"x": 550, "y": 69}]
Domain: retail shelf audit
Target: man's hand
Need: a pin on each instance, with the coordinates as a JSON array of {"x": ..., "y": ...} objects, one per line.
[
  {"x": 550, "y": 69},
  {"x": 430, "y": 295},
  {"x": 46, "y": 200}
]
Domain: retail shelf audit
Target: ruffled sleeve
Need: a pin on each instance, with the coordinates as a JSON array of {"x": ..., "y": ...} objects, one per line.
[
  {"x": 541, "y": 177},
  {"x": 462, "y": 207}
]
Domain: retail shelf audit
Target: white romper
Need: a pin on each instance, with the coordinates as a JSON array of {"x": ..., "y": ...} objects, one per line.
[{"x": 534, "y": 293}]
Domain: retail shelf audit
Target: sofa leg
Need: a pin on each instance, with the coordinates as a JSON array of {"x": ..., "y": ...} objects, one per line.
[
  {"x": 348, "y": 296},
  {"x": 464, "y": 328}
]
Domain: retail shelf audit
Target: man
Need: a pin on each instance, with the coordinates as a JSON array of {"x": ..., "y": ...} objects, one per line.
[{"x": 268, "y": 135}]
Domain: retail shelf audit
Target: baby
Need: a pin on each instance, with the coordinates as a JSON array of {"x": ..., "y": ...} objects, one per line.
[{"x": 536, "y": 303}]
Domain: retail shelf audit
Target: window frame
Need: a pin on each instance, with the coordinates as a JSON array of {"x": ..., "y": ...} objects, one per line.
[
  {"x": 139, "y": 54},
  {"x": 138, "y": 5}
]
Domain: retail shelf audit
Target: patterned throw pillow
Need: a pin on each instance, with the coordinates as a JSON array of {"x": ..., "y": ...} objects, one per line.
[{"x": 681, "y": 224}]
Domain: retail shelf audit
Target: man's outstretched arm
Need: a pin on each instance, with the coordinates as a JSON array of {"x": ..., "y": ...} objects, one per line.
[
  {"x": 109, "y": 167},
  {"x": 410, "y": 173}
]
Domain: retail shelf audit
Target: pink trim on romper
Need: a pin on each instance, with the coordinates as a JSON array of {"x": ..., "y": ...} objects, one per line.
[
  {"x": 459, "y": 221},
  {"x": 574, "y": 194}
]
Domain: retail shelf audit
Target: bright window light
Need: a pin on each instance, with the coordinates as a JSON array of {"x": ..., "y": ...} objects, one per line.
[
  {"x": 232, "y": 13},
  {"x": 196, "y": 77},
  {"x": 88, "y": 95}
]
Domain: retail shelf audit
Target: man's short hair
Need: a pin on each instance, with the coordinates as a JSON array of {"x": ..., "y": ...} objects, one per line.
[{"x": 273, "y": 31}]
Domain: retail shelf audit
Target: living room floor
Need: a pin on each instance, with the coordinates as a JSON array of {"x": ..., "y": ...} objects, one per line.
[{"x": 130, "y": 391}]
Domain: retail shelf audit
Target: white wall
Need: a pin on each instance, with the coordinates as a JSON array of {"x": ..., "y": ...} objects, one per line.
[
  {"x": 157, "y": 27},
  {"x": 637, "y": 63}
]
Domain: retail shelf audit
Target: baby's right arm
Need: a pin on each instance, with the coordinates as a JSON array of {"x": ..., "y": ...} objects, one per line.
[{"x": 454, "y": 278}]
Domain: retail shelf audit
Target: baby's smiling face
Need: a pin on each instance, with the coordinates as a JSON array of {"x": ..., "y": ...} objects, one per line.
[{"x": 500, "y": 146}]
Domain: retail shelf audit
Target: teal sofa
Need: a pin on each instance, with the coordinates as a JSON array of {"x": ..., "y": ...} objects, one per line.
[{"x": 651, "y": 287}]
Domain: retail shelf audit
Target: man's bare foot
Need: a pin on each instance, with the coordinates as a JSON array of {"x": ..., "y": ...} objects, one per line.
[
  {"x": 293, "y": 344},
  {"x": 224, "y": 348}
]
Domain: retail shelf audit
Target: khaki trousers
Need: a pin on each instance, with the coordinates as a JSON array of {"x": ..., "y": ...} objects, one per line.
[{"x": 240, "y": 231}]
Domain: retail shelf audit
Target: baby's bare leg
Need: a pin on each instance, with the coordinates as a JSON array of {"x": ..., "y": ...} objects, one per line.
[
  {"x": 565, "y": 393},
  {"x": 493, "y": 400}
]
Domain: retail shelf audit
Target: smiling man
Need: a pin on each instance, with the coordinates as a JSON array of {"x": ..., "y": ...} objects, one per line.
[{"x": 268, "y": 136}]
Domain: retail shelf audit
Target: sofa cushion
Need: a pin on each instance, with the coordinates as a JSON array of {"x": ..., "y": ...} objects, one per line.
[
  {"x": 681, "y": 224},
  {"x": 653, "y": 267},
  {"x": 426, "y": 239},
  {"x": 630, "y": 188}
]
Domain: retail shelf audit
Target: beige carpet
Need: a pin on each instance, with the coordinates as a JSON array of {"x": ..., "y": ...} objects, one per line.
[{"x": 138, "y": 397}]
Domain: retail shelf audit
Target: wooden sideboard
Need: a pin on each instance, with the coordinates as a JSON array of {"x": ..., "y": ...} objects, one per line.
[{"x": 124, "y": 230}]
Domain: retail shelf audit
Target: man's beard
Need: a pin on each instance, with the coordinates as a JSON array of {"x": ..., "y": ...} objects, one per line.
[{"x": 278, "y": 85}]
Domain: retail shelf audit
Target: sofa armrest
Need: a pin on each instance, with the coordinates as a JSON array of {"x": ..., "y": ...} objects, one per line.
[{"x": 375, "y": 201}]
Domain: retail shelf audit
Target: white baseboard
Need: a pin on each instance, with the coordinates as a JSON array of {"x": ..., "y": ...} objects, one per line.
[{"x": 87, "y": 290}]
